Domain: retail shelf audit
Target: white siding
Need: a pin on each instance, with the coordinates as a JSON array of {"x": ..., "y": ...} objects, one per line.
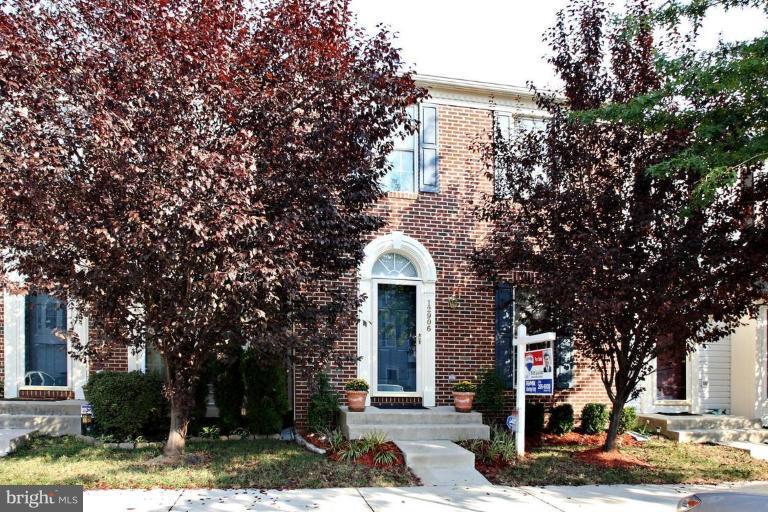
[{"x": 714, "y": 375}]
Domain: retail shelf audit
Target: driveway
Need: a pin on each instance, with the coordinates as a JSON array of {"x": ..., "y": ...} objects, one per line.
[{"x": 592, "y": 498}]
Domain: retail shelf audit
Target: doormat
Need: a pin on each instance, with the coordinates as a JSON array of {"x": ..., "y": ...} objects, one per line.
[{"x": 399, "y": 406}]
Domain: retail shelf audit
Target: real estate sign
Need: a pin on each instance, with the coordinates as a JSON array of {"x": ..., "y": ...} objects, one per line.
[{"x": 539, "y": 376}]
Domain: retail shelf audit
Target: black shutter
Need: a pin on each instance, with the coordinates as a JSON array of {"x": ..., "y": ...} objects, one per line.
[
  {"x": 505, "y": 354},
  {"x": 428, "y": 159},
  {"x": 564, "y": 364}
]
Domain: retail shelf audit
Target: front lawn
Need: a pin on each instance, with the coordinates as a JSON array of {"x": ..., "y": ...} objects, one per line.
[
  {"x": 263, "y": 464},
  {"x": 665, "y": 463}
]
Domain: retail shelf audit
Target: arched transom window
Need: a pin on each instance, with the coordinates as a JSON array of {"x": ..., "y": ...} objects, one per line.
[{"x": 394, "y": 266}]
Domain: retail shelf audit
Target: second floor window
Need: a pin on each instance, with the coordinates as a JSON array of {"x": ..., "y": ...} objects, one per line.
[
  {"x": 414, "y": 159},
  {"x": 506, "y": 126}
]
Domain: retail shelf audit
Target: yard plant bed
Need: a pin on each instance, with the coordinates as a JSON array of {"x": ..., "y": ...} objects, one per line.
[
  {"x": 261, "y": 464},
  {"x": 653, "y": 462}
]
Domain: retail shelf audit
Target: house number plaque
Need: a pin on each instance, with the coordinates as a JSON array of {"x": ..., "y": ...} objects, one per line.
[{"x": 429, "y": 316}]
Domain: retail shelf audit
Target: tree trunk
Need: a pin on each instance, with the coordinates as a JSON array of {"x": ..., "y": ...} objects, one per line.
[
  {"x": 613, "y": 425},
  {"x": 177, "y": 435}
]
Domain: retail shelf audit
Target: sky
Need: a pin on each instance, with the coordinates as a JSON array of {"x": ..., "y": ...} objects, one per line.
[{"x": 500, "y": 40}]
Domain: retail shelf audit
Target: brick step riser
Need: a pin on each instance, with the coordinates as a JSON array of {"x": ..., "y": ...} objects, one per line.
[
  {"x": 51, "y": 425},
  {"x": 419, "y": 432}
]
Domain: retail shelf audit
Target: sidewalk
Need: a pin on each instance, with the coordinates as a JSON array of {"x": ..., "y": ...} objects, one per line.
[{"x": 592, "y": 498}]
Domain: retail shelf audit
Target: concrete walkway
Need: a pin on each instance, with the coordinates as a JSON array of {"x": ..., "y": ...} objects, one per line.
[
  {"x": 12, "y": 438},
  {"x": 593, "y": 498}
]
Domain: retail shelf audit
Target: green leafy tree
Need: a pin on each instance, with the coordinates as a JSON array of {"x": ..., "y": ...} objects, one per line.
[{"x": 716, "y": 99}]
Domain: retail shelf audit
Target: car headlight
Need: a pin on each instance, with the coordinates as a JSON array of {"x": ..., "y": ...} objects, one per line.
[{"x": 688, "y": 503}]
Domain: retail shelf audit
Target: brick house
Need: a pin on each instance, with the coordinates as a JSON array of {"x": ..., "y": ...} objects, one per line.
[{"x": 428, "y": 319}]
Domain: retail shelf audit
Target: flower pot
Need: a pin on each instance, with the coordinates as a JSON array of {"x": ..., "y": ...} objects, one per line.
[
  {"x": 356, "y": 400},
  {"x": 462, "y": 401}
]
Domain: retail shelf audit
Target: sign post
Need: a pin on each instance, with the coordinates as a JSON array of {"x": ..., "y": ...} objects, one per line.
[{"x": 521, "y": 341}]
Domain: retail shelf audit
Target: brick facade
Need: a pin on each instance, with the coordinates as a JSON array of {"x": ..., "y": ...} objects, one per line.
[{"x": 446, "y": 224}]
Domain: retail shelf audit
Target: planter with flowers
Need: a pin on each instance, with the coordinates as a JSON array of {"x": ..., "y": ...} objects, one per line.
[
  {"x": 463, "y": 396},
  {"x": 357, "y": 391}
]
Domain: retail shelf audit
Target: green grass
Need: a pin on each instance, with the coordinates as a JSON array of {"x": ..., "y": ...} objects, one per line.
[
  {"x": 671, "y": 463},
  {"x": 263, "y": 464}
]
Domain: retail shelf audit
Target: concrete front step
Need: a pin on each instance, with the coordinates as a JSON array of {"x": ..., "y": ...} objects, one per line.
[
  {"x": 433, "y": 415},
  {"x": 441, "y": 463},
  {"x": 12, "y": 438},
  {"x": 697, "y": 422},
  {"x": 443, "y": 454},
  {"x": 42, "y": 408},
  {"x": 756, "y": 450},
  {"x": 59, "y": 425},
  {"x": 748, "y": 435},
  {"x": 421, "y": 432}
]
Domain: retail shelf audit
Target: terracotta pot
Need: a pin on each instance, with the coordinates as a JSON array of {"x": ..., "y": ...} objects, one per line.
[
  {"x": 462, "y": 401},
  {"x": 356, "y": 400}
]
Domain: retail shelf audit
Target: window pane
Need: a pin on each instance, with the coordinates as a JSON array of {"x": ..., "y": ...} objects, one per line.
[
  {"x": 394, "y": 266},
  {"x": 400, "y": 177}
]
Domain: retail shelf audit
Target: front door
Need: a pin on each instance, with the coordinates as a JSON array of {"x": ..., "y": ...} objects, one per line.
[
  {"x": 397, "y": 339},
  {"x": 46, "y": 358},
  {"x": 671, "y": 372}
]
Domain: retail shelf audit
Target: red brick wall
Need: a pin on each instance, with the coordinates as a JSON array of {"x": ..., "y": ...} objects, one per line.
[{"x": 446, "y": 225}]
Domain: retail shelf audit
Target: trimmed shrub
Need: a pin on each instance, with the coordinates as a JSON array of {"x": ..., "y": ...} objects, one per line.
[
  {"x": 490, "y": 394},
  {"x": 323, "y": 406},
  {"x": 229, "y": 388},
  {"x": 534, "y": 418},
  {"x": 628, "y": 420},
  {"x": 561, "y": 419},
  {"x": 126, "y": 404},
  {"x": 266, "y": 393},
  {"x": 594, "y": 418}
]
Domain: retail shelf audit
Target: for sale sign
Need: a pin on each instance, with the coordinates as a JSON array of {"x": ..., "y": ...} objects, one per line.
[{"x": 538, "y": 372}]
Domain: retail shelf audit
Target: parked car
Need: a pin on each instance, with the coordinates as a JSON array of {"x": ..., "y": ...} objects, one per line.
[{"x": 725, "y": 501}]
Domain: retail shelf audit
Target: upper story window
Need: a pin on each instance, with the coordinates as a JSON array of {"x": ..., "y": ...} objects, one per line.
[
  {"x": 506, "y": 125},
  {"x": 393, "y": 266},
  {"x": 414, "y": 159}
]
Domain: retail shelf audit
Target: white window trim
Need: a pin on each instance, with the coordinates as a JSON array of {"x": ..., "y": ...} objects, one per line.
[
  {"x": 425, "y": 314},
  {"x": 14, "y": 339}
]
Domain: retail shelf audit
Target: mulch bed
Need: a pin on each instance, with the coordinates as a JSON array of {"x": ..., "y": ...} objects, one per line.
[
  {"x": 318, "y": 440},
  {"x": 367, "y": 458},
  {"x": 577, "y": 439},
  {"x": 610, "y": 460}
]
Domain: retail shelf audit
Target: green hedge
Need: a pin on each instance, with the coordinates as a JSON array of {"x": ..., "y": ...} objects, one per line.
[
  {"x": 489, "y": 397},
  {"x": 266, "y": 393},
  {"x": 594, "y": 418},
  {"x": 561, "y": 419},
  {"x": 229, "y": 389},
  {"x": 126, "y": 405},
  {"x": 534, "y": 418},
  {"x": 628, "y": 420},
  {"x": 323, "y": 406}
]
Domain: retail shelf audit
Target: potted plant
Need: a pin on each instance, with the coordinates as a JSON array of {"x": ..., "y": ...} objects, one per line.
[
  {"x": 463, "y": 396},
  {"x": 357, "y": 390}
]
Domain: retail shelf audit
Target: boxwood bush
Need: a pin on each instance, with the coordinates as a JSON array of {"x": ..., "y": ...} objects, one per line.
[
  {"x": 229, "y": 388},
  {"x": 266, "y": 393},
  {"x": 534, "y": 418},
  {"x": 126, "y": 404},
  {"x": 490, "y": 394},
  {"x": 561, "y": 419},
  {"x": 323, "y": 406},
  {"x": 594, "y": 418},
  {"x": 628, "y": 420}
]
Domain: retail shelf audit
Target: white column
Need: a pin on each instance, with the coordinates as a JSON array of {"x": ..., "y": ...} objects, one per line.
[{"x": 13, "y": 336}]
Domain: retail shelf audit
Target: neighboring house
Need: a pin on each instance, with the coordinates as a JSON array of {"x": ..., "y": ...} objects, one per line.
[{"x": 428, "y": 320}]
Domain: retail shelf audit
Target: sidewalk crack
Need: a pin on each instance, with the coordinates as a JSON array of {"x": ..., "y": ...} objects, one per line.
[
  {"x": 365, "y": 500},
  {"x": 537, "y": 497},
  {"x": 181, "y": 493}
]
